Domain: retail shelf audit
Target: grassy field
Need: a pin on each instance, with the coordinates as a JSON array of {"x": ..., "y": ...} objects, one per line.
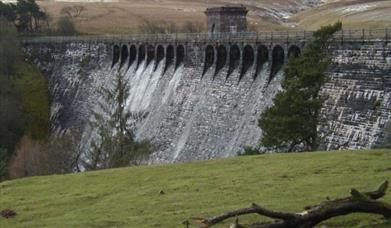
[{"x": 129, "y": 197}]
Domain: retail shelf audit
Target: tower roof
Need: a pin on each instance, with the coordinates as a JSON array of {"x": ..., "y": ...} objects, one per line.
[{"x": 227, "y": 9}]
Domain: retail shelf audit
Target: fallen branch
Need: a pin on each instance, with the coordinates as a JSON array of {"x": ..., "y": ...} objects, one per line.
[{"x": 356, "y": 202}]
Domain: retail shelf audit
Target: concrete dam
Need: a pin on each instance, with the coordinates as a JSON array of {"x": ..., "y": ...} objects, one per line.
[{"x": 201, "y": 95}]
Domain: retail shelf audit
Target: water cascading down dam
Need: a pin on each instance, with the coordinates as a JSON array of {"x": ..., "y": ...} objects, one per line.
[{"x": 200, "y": 96}]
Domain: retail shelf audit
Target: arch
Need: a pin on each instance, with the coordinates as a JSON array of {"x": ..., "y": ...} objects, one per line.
[
  {"x": 209, "y": 58},
  {"x": 141, "y": 55},
  {"x": 180, "y": 55},
  {"x": 262, "y": 58},
  {"x": 150, "y": 54},
  {"x": 159, "y": 55},
  {"x": 169, "y": 57},
  {"x": 132, "y": 54},
  {"x": 221, "y": 58},
  {"x": 277, "y": 61},
  {"x": 248, "y": 60},
  {"x": 234, "y": 58},
  {"x": 124, "y": 54},
  {"x": 116, "y": 53},
  {"x": 294, "y": 51}
]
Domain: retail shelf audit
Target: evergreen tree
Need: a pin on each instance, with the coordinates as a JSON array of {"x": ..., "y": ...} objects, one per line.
[
  {"x": 8, "y": 11},
  {"x": 114, "y": 145},
  {"x": 25, "y": 14},
  {"x": 291, "y": 123}
]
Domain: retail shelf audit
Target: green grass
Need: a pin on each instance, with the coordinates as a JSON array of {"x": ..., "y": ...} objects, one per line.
[{"x": 129, "y": 197}]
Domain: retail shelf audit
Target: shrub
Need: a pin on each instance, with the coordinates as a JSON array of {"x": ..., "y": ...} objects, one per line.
[
  {"x": 248, "y": 150},
  {"x": 32, "y": 88},
  {"x": 66, "y": 27}
]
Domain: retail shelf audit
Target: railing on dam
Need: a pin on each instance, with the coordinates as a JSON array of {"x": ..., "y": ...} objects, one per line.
[{"x": 344, "y": 35}]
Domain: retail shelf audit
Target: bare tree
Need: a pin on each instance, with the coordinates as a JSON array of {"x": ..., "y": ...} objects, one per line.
[
  {"x": 59, "y": 155},
  {"x": 192, "y": 27},
  {"x": 73, "y": 12},
  {"x": 155, "y": 27},
  {"x": 63, "y": 153},
  {"x": 28, "y": 159},
  {"x": 48, "y": 21}
]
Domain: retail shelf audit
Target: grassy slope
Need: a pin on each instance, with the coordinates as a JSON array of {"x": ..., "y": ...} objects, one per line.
[
  {"x": 125, "y": 16},
  {"x": 130, "y": 197},
  {"x": 353, "y": 14}
]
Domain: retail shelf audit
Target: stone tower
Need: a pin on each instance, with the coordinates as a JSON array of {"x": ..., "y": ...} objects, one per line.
[{"x": 229, "y": 18}]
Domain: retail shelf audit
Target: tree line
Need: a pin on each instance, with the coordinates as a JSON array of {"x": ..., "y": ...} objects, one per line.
[
  {"x": 29, "y": 18},
  {"x": 26, "y": 15},
  {"x": 24, "y": 108}
]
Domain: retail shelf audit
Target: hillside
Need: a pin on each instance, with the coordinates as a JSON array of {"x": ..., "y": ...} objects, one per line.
[
  {"x": 124, "y": 16},
  {"x": 353, "y": 14},
  {"x": 129, "y": 197}
]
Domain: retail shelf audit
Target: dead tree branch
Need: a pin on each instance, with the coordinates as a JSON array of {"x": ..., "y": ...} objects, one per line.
[{"x": 357, "y": 202}]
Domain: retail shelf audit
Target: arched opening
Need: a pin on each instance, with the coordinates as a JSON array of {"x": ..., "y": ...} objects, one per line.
[
  {"x": 294, "y": 51},
  {"x": 141, "y": 55},
  {"x": 169, "y": 57},
  {"x": 262, "y": 58},
  {"x": 209, "y": 58},
  {"x": 150, "y": 54},
  {"x": 132, "y": 54},
  {"x": 277, "y": 61},
  {"x": 248, "y": 60},
  {"x": 116, "y": 53},
  {"x": 234, "y": 59},
  {"x": 159, "y": 55},
  {"x": 221, "y": 58},
  {"x": 124, "y": 54},
  {"x": 180, "y": 55}
]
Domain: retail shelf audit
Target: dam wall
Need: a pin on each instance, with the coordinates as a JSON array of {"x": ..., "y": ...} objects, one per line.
[{"x": 202, "y": 100}]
